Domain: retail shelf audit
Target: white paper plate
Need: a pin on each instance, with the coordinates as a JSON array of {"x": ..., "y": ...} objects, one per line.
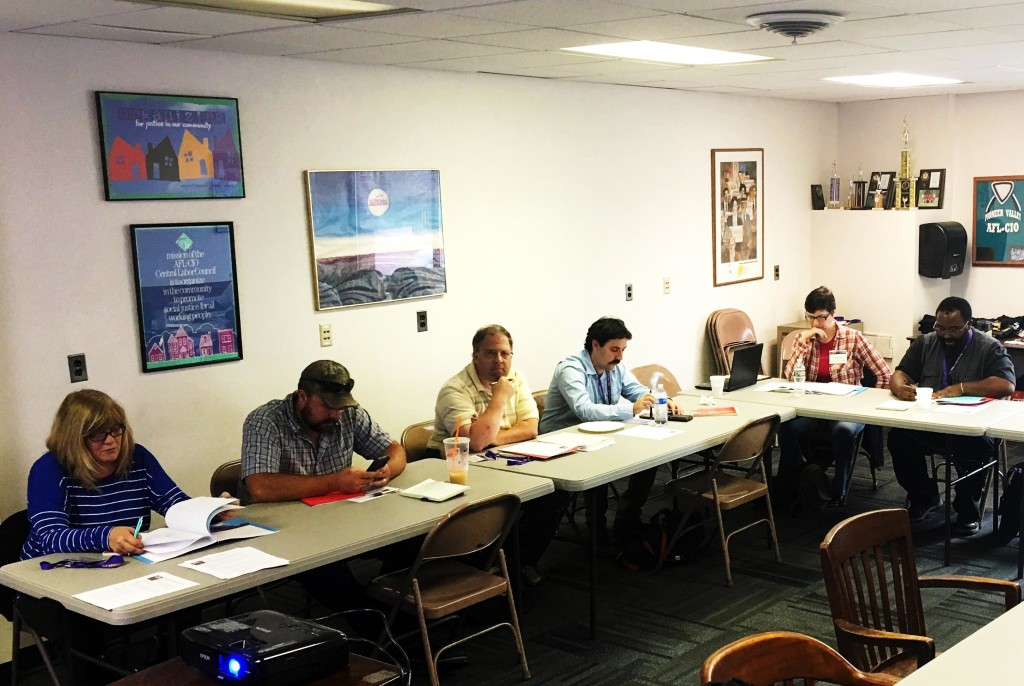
[{"x": 600, "y": 427}]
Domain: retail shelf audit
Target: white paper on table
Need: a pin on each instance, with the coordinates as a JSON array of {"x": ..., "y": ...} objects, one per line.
[
  {"x": 958, "y": 409},
  {"x": 897, "y": 405},
  {"x": 134, "y": 591},
  {"x": 236, "y": 562},
  {"x": 375, "y": 493},
  {"x": 652, "y": 432},
  {"x": 585, "y": 442}
]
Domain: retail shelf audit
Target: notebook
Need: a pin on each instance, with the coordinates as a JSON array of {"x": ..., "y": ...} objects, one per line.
[{"x": 746, "y": 363}]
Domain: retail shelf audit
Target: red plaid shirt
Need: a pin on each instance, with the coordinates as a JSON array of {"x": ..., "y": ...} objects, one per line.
[{"x": 859, "y": 354}]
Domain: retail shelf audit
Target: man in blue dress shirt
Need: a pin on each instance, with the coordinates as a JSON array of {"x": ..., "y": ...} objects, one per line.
[{"x": 592, "y": 385}]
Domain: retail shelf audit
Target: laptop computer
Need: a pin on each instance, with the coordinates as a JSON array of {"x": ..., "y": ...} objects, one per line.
[{"x": 746, "y": 363}]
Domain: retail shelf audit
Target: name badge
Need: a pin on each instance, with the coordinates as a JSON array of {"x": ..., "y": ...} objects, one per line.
[{"x": 836, "y": 357}]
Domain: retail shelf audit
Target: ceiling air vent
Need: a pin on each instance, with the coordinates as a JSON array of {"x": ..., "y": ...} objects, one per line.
[{"x": 794, "y": 24}]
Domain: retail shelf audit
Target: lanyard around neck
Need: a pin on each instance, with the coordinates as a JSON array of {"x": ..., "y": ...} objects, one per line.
[
  {"x": 946, "y": 373},
  {"x": 601, "y": 391}
]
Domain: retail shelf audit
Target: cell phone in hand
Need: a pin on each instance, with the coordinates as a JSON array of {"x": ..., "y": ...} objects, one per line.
[{"x": 378, "y": 463}]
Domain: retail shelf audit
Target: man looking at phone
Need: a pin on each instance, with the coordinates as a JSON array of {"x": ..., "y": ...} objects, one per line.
[{"x": 301, "y": 446}]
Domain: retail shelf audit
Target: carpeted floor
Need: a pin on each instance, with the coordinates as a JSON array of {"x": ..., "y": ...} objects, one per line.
[{"x": 656, "y": 629}]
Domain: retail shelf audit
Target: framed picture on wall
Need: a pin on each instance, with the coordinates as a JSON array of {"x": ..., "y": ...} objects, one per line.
[
  {"x": 169, "y": 147},
  {"x": 375, "y": 236},
  {"x": 998, "y": 239},
  {"x": 186, "y": 294},
  {"x": 737, "y": 215},
  {"x": 931, "y": 183}
]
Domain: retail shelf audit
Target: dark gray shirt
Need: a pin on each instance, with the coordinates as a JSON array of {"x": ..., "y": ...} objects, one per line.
[{"x": 983, "y": 357}]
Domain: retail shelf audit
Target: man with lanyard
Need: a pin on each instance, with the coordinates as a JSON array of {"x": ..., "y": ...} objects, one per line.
[
  {"x": 956, "y": 359},
  {"x": 592, "y": 386}
]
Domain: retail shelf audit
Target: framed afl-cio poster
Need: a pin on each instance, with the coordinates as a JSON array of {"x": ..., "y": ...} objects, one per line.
[{"x": 998, "y": 238}]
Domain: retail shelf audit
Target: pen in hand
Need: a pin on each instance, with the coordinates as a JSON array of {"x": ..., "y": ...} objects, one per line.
[{"x": 138, "y": 528}]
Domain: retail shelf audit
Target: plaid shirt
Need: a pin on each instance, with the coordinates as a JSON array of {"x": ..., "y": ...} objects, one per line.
[
  {"x": 859, "y": 354},
  {"x": 273, "y": 442}
]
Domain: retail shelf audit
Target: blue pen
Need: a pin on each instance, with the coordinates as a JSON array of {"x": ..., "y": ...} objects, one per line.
[{"x": 138, "y": 528}]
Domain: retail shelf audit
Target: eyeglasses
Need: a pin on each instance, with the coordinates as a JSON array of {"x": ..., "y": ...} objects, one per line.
[
  {"x": 105, "y": 563},
  {"x": 101, "y": 436},
  {"x": 495, "y": 354},
  {"x": 818, "y": 317},
  {"x": 950, "y": 329}
]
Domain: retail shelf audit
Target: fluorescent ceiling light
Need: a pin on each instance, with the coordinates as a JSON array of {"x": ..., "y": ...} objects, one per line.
[
  {"x": 307, "y": 10},
  {"x": 650, "y": 51},
  {"x": 893, "y": 80}
]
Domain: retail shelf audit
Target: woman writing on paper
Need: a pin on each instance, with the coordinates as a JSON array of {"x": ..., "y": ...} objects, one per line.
[
  {"x": 87, "y": 493},
  {"x": 829, "y": 351}
]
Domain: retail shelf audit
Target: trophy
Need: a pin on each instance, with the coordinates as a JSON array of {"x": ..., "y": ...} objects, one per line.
[
  {"x": 834, "y": 203},
  {"x": 906, "y": 185},
  {"x": 860, "y": 191}
]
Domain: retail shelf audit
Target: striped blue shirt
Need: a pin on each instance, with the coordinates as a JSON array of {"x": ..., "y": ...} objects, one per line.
[{"x": 69, "y": 518}]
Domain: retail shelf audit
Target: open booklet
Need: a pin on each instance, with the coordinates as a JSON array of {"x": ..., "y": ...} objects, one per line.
[{"x": 191, "y": 526}]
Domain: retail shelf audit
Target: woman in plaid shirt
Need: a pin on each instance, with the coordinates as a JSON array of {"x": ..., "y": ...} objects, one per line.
[{"x": 830, "y": 352}]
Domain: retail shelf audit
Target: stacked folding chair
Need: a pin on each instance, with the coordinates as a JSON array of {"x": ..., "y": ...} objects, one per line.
[{"x": 728, "y": 329}]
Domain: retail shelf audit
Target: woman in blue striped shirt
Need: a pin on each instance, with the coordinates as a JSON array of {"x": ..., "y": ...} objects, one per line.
[{"x": 87, "y": 493}]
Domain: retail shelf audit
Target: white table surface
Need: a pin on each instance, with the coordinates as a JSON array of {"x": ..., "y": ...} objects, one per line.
[
  {"x": 988, "y": 656},
  {"x": 307, "y": 536},
  {"x": 1010, "y": 428},
  {"x": 629, "y": 455},
  {"x": 863, "y": 408}
]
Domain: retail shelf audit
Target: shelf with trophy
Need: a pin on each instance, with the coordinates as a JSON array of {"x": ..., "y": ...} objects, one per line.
[
  {"x": 875, "y": 268},
  {"x": 886, "y": 190}
]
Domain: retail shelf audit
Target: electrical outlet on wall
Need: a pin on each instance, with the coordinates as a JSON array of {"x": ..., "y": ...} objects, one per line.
[
  {"x": 629, "y": 292},
  {"x": 666, "y": 286},
  {"x": 326, "y": 336},
  {"x": 76, "y": 368},
  {"x": 421, "y": 321}
]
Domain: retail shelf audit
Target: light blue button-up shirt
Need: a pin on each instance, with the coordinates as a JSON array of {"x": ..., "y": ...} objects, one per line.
[{"x": 578, "y": 394}]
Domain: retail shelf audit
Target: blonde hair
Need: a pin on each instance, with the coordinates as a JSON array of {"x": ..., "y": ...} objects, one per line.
[{"x": 82, "y": 413}]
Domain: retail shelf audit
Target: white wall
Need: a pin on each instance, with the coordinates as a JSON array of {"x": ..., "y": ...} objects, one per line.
[
  {"x": 554, "y": 196},
  {"x": 969, "y": 136}
]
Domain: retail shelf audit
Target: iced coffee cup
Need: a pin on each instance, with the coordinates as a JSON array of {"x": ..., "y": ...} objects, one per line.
[{"x": 456, "y": 452}]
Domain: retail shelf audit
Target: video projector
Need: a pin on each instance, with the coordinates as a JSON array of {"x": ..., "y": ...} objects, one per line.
[{"x": 264, "y": 647}]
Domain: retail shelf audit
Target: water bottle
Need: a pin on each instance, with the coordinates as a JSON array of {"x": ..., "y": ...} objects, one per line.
[
  {"x": 660, "y": 409},
  {"x": 799, "y": 375}
]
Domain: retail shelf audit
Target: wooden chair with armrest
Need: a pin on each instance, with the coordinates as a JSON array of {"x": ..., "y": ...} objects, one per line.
[
  {"x": 874, "y": 592},
  {"x": 452, "y": 572},
  {"x": 783, "y": 657}
]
